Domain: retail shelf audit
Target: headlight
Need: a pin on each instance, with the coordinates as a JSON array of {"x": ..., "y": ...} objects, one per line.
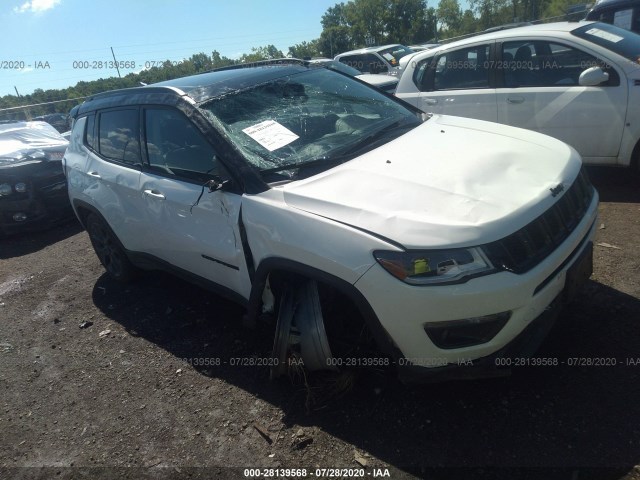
[
  {"x": 5, "y": 189},
  {"x": 20, "y": 187},
  {"x": 435, "y": 267}
]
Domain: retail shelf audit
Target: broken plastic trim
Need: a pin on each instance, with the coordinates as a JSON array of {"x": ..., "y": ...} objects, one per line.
[
  {"x": 300, "y": 327},
  {"x": 214, "y": 185}
]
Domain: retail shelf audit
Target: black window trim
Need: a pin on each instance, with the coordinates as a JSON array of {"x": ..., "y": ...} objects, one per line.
[{"x": 85, "y": 142}]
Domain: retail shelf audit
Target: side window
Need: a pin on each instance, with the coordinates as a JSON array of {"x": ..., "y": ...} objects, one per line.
[
  {"x": 464, "y": 68},
  {"x": 421, "y": 74},
  {"x": 176, "y": 147},
  {"x": 547, "y": 64},
  {"x": 118, "y": 136},
  {"x": 90, "y": 137}
]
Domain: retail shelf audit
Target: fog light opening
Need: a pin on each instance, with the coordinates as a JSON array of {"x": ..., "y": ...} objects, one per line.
[
  {"x": 466, "y": 332},
  {"x": 19, "y": 217}
]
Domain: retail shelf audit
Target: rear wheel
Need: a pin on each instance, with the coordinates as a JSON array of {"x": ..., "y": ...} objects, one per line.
[
  {"x": 109, "y": 250},
  {"x": 635, "y": 159}
]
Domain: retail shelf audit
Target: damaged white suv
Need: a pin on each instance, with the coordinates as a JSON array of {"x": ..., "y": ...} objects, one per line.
[{"x": 376, "y": 235}]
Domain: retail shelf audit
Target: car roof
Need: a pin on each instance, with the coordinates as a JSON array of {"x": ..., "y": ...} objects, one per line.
[
  {"x": 602, "y": 4},
  {"x": 557, "y": 27},
  {"x": 369, "y": 49},
  {"x": 199, "y": 88}
]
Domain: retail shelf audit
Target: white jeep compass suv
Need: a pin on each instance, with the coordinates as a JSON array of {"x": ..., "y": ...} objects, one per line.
[{"x": 374, "y": 234}]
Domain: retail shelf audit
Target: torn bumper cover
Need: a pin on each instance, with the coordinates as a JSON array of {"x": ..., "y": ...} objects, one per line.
[{"x": 33, "y": 188}]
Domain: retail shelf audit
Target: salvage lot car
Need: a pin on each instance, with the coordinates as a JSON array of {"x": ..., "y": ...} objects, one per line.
[
  {"x": 361, "y": 223},
  {"x": 33, "y": 188},
  {"x": 621, "y": 13},
  {"x": 375, "y": 60},
  {"x": 578, "y": 82},
  {"x": 386, "y": 83}
]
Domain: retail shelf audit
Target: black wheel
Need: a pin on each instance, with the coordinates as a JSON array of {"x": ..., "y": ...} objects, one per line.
[
  {"x": 635, "y": 159},
  {"x": 109, "y": 251}
]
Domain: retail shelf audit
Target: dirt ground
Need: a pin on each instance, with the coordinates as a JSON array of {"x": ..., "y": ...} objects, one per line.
[{"x": 117, "y": 399}]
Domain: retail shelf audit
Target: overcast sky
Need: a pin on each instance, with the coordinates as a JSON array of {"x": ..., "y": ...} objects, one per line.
[{"x": 49, "y": 43}]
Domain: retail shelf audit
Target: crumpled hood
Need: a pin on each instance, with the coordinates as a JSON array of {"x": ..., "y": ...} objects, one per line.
[
  {"x": 449, "y": 182},
  {"x": 29, "y": 143}
]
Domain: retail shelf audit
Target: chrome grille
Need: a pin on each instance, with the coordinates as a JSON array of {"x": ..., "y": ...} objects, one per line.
[{"x": 526, "y": 248}]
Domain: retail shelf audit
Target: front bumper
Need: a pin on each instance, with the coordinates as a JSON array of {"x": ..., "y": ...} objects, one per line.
[
  {"x": 533, "y": 298},
  {"x": 521, "y": 347},
  {"x": 43, "y": 206}
]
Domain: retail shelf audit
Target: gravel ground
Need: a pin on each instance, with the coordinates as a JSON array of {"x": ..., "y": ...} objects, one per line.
[{"x": 117, "y": 399}]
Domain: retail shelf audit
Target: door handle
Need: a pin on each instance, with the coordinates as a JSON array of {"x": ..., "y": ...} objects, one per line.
[
  {"x": 154, "y": 194},
  {"x": 430, "y": 101},
  {"x": 94, "y": 174},
  {"x": 515, "y": 100}
]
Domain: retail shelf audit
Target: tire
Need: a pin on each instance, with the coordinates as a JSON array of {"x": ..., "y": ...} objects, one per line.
[
  {"x": 635, "y": 159},
  {"x": 109, "y": 250}
]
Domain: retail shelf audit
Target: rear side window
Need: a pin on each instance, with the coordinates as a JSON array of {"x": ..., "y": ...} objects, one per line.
[
  {"x": 119, "y": 136},
  {"x": 90, "y": 137}
]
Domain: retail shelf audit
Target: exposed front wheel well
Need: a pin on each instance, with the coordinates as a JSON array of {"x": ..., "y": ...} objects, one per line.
[{"x": 316, "y": 319}]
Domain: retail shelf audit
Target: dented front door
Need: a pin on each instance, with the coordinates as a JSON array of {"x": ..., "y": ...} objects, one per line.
[{"x": 203, "y": 239}]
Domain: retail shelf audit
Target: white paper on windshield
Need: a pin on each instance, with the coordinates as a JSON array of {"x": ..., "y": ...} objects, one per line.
[
  {"x": 270, "y": 134},
  {"x": 596, "y": 32},
  {"x": 388, "y": 56},
  {"x": 622, "y": 19}
]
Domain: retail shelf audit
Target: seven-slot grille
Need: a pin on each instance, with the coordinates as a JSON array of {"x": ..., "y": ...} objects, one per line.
[{"x": 524, "y": 249}]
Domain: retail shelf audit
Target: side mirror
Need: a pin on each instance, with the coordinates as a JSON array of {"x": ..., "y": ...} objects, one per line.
[
  {"x": 217, "y": 183},
  {"x": 592, "y": 77}
]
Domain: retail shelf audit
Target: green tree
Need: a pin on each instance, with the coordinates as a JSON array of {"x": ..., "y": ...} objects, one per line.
[
  {"x": 336, "y": 31},
  {"x": 220, "y": 61},
  {"x": 450, "y": 17},
  {"x": 408, "y": 22},
  {"x": 492, "y": 12},
  {"x": 201, "y": 62},
  {"x": 305, "y": 49},
  {"x": 375, "y": 22},
  {"x": 261, "y": 53}
]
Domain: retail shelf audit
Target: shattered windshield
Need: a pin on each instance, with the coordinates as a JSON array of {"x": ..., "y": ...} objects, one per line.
[{"x": 315, "y": 118}]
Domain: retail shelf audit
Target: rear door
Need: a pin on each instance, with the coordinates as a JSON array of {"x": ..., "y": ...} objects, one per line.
[
  {"x": 112, "y": 172},
  {"x": 540, "y": 90}
]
